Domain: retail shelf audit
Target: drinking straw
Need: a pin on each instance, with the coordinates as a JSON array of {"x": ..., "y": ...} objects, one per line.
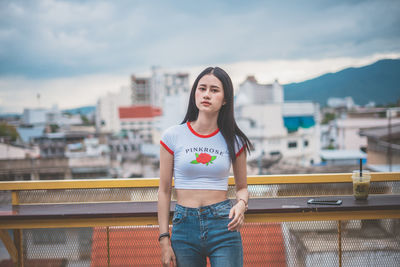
[{"x": 360, "y": 169}]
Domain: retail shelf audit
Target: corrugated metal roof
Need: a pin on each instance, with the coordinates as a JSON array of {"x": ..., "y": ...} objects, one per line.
[
  {"x": 342, "y": 154},
  {"x": 380, "y": 131},
  {"x": 135, "y": 112}
]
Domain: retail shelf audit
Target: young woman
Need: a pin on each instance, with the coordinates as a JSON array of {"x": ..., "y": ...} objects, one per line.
[{"x": 199, "y": 153}]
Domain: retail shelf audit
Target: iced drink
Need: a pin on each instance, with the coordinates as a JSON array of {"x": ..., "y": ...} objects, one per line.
[{"x": 361, "y": 184}]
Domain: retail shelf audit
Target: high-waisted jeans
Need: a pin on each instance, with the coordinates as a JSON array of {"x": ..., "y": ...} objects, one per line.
[{"x": 198, "y": 233}]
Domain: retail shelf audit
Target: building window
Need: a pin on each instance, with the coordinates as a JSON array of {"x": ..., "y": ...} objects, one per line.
[
  {"x": 305, "y": 143},
  {"x": 274, "y": 153},
  {"x": 292, "y": 144}
]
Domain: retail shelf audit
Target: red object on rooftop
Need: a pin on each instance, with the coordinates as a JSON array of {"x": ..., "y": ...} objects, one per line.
[
  {"x": 137, "y": 112},
  {"x": 263, "y": 245}
]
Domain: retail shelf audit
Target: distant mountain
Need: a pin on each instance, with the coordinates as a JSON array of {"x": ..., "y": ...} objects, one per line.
[
  {"x": 81, "y": 110},
  {"x": 378, "y": 82}
]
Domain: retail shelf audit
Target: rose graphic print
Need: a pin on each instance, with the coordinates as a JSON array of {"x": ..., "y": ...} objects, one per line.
[{"x": 203, "y": 158}]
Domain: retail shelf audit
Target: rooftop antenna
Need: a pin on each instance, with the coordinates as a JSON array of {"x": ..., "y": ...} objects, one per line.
[{"x": 38, "y": 99}]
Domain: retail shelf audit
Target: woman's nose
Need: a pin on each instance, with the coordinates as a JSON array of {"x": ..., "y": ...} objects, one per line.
[{"x": 206, "y": 94}]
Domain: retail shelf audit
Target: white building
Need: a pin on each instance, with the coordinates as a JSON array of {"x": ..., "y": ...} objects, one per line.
[
  {"x": 8, "y": 151},
  {"x": 42, "y": 116},
  {"x": 347, "y": 131},
  {"x": 34, "y": 116},
  {"x": 107, "y": 116},
  {"x": 346, "y": 102},
  {"x": 342, "y": 157},
  {"x": 176, "y": 98},
  {"x": 289, "y": 129},
  {"x": 142, "y": 120}
]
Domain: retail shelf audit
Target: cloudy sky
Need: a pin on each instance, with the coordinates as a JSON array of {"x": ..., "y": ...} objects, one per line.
[{"x": 73, "y": 52}]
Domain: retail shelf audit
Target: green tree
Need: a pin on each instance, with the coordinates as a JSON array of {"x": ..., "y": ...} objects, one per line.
[
  {"x": 85, "y": 120},
  {"x": 10, "y": 131},
  {"x": 54, "y": 128},
  {"x": 328, "y": 117}
]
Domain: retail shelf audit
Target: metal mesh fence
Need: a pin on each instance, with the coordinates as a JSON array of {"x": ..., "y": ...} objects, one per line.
[{"x": 306, "y": 243}]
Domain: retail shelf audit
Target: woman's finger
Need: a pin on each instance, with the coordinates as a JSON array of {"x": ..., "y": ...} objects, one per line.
[{"x": 234, "y": 223}]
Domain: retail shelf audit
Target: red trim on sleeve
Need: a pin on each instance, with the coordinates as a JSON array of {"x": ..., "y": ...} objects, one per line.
[
  {"x": 201, "y": 135},
  {"x": 166, "y": 147},
  {"x": 240, "y": 151}
]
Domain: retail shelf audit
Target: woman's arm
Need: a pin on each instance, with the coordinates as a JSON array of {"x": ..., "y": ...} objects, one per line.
[
  {"x": 242, "y": 195},
  {"x": 164, "y": 201}
]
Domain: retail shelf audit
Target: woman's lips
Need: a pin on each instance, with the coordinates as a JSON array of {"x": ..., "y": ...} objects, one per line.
[{"x": 205, "y": 103}]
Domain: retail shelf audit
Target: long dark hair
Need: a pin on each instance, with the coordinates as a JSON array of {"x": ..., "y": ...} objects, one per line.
[{"x": 226, "y": 119}]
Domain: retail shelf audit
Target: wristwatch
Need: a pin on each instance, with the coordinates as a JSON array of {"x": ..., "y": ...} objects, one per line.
[{"x": 163, "y": 235}]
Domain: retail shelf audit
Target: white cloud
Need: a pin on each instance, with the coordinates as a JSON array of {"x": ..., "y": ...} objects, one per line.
[
  {"x": 61, "y": 49},
  {"x": 63, "y": 38}
]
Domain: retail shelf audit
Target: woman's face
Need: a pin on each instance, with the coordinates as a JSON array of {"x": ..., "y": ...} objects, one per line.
[{"x": 209, "y": 94}]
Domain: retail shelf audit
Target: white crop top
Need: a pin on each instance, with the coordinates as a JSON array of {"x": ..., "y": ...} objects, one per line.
[{"x": 200, "y": 161}]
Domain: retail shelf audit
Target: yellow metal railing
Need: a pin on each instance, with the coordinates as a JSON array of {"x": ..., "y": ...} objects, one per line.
[{"x": 153, "y": 182}]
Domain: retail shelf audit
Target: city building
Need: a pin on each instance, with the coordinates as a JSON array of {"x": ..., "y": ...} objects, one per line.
[
  {"x": 176, "y": 98},
  {"x": 140, "y": 120},
  {"x": 34, "y": 116},
  {"x": 342, "y": 157},
  {"x": 383, "y": 151},
  {"x": 162, "y": 90},
  {"x": 347, "y": 131},
  {"x": 278, "y": 129},
  {"x": 346, "y": 103},
  {"x": 11, "y": 151},
  {"x": 141, "y": 90},
  {"x": 34, "y": 169},
  {"x": 42, "y": 116},
  {"x": 107, "y": 116}
]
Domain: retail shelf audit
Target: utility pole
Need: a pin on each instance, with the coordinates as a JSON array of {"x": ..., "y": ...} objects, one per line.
[
  {"x": 38, "y": 99},
  {"x": 389, "y": 152},
  {"x": 389, "y": 113}
]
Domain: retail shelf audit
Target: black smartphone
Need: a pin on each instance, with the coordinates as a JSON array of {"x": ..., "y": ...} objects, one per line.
[{"x": 325, "y": 201}]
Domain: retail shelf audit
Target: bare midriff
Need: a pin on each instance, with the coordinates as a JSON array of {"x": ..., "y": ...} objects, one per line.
[{"x": 195, "y": 198}]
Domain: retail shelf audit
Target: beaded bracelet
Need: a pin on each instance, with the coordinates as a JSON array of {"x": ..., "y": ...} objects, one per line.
[{"x": 245, "y": 204}]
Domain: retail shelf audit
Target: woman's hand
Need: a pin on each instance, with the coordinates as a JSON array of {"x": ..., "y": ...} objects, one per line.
[
  {"x": 167, "y": 254},
  {"x": 237, "y": 213}
]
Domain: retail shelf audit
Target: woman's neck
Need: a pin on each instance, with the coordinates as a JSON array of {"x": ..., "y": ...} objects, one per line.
[{"x": 205, "y": 124}]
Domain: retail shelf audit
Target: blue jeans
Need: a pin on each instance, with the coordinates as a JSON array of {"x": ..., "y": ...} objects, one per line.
[{"x": 198, "y": 233}]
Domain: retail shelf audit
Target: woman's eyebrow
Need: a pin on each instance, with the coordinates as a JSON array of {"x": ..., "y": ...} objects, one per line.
[{"x": 212, "y": 86}]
